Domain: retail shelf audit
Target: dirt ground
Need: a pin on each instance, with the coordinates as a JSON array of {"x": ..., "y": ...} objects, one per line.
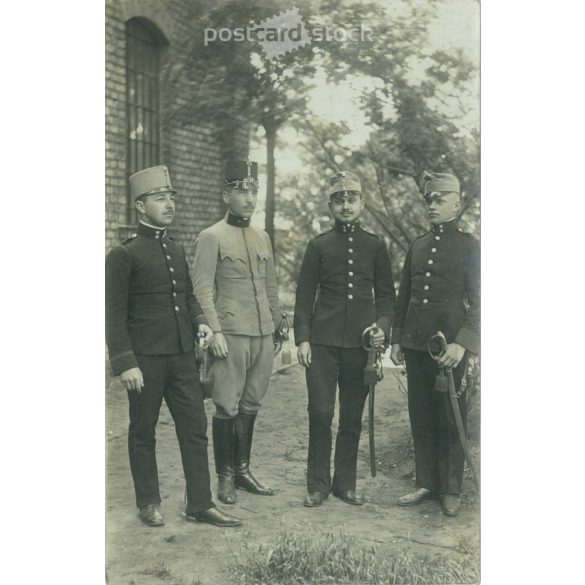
[{"x": 183, "y": 553}]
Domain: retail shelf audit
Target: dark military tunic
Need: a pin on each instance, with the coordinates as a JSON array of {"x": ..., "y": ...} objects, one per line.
[
  {"x": 347, "y": 271},
  {"x": 439, "y": 291},
  {"x": 150, "y": 305},
  {"x": 345, "y": 285},
  {"x": 151, "y": 321}
]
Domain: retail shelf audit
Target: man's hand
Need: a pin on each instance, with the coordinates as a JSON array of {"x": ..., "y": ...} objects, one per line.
[
  {"x": 396, "y": 354},
  {"x": 207, "y": 332},
  {"x": 304, "y": 354},
  {"x": 218, "y": 345},
  {"x": 377, "y": 337},
  {"x": 452, "y": 356},
  {"x": 132, "y": 379}
]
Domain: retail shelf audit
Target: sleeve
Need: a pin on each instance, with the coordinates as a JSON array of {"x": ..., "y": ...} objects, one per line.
[
  {"x": 403, "y": 299},
  {"x": 272, "y": 286},
  {"x": 195, "y": 310},
  {"x": 469, "y": 333},
  {"x": 384, "y": 293},
  {"x": 118, "y": 272},
  {"x": 306, "y": 290},
  {"x": 204, "y": 267}
]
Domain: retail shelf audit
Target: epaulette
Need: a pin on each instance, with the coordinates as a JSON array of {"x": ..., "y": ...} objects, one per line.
[
  {"x": 132, "y": 237},
  {"x": 371, "y": 234},
  {"x": 467, "y": 235},
  {"x": 422, "y": 235},
  {"x": 324, "y": 233}
]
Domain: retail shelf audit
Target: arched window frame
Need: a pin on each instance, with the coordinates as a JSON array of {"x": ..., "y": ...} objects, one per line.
[{"x": 144, "y": 42}]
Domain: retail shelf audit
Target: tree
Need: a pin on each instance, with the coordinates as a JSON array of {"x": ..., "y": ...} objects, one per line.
[
  {"x": 234, "y": 86},
  {"x": 415, "y": 107}
]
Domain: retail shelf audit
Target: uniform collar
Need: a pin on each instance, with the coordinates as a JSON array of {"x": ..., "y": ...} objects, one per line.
[
  {"x": 446, "y": 227},
  {"x": 344, "y": 228},
  {"x": 150, "y": 231},
  {"x": 237, "y": 221}
]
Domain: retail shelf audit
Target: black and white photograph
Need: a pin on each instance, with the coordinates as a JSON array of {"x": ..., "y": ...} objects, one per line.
[{"x": 292, "y": 292}]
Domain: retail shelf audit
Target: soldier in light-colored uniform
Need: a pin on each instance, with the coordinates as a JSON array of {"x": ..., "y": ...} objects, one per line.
[{"x": 235, "y": 283}]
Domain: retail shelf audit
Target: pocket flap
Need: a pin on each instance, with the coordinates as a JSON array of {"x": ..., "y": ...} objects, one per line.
[
  {"x": 232, "y": 253},
  {"x": 263, "y": 254}
]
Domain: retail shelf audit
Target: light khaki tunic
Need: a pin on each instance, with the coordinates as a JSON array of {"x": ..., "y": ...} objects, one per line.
[{"x": 234, "y": 280}]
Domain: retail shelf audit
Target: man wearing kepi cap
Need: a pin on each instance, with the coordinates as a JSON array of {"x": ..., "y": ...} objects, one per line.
[
  {"x": 345, "y": 286},
  {"x": 439, "y": 291},
  {"x": 235, "y": 282},
  {"x": 152, "y": 318}
]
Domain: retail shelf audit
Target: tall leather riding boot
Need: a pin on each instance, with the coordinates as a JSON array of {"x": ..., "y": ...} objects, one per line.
[
  {"x": 244, "y": 430},
  {"x": 223, "y": 450}
]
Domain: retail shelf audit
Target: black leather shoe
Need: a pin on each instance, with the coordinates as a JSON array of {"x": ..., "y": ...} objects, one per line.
[
  {"x": 349, "y": 497},
  {"x": 314, "y": 499},
  {"x": 214, "y": 516},
  {"x": 415, "y": 497},
  {"x": 151, "y": 515},
  {"x": 450, "y": 503}
]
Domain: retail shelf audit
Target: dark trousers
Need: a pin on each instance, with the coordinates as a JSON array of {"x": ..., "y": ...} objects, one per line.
[
  {"x": 331, "y": 366},
  {"x": 174, "y": 378},
  {"x": 439, "y": 457}
]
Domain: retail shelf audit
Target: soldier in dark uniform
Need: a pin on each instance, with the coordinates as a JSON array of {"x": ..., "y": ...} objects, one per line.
[
  {"x": 439, "y": 291},
  {"x": 345, "y": 285},
  {"x": 235, "y": 282},
  {"x": 152, "y": 318}
]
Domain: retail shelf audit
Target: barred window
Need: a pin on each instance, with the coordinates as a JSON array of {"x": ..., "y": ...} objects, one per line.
[{"x": 143, "y": 43}]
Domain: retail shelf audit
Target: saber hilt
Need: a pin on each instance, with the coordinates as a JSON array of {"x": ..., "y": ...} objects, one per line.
[
  {"x": 374, "y": 356},
  {"x": 439, "y": 338},
  {"x": 446, "y": 383},
  {"x": 201, "y": 356},
  {"x": 202, "y": 360},
  {"x": 281, "y": 333}
]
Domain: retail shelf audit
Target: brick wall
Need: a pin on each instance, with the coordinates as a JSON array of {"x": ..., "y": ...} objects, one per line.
[
  {"x": 115, "y": 124},
  {"x": 192, "y": 153}
]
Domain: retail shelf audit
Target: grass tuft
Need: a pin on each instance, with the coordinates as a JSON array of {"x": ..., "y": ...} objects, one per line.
[
  {"x": 162, "y": 572},
  {"x": 335, "y": 558}
]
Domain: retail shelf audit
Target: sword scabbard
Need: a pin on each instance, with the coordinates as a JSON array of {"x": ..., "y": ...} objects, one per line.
[{"x": 371, "y": 396}]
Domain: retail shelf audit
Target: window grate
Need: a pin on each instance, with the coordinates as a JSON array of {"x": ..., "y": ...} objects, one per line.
[{"x": 142, "y": 100}]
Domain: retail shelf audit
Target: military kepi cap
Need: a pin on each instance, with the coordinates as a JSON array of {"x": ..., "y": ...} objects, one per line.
[
  {"x": 238, "y": 170},
  {"x": 441, "y": 182},
  {"x": 151, "y": 180},
  {"x": 343, "y": 181}
]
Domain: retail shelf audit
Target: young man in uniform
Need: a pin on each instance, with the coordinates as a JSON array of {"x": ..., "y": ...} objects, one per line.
[
  {"x": 152, "y": 318},
  {"x": 439, "y": 291},
  {"x": 345, "y": 285},
  {"x": 235, "y": 282}
]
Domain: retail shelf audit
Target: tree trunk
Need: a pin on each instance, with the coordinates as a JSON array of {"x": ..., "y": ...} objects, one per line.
[{"x": 270, "y": 181}]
